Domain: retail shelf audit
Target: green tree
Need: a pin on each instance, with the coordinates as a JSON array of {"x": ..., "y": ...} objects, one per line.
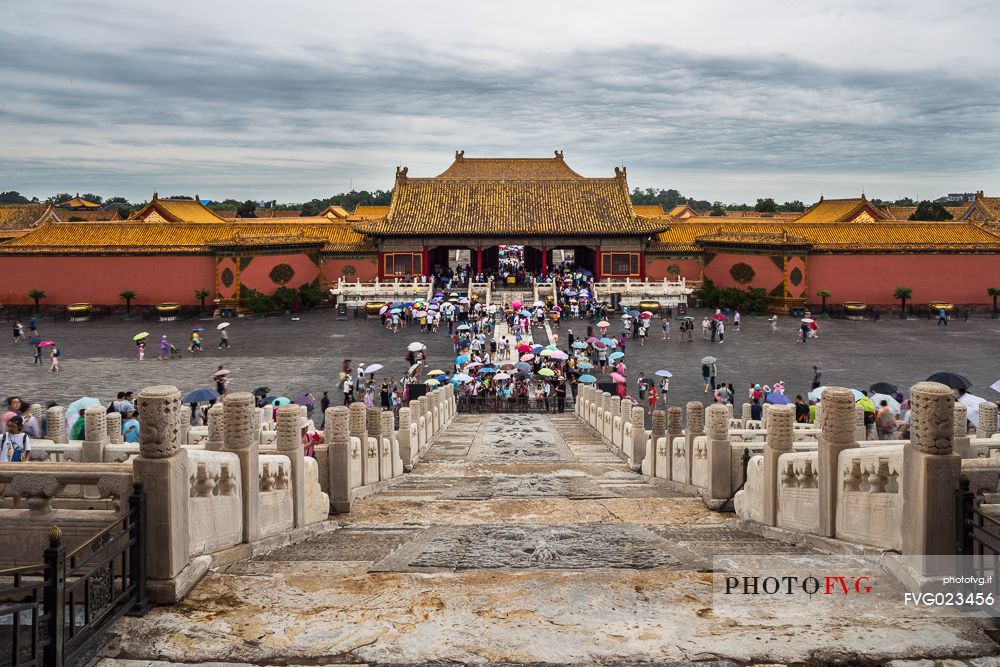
[
  {"x": 127, "y": 296},
  {"x": 310, "y": 295},
  {"x": 902, "y": 293},
  {"x": 995, "y": 293},
  {"x": 36, "y": 295},
  {"x": 201, "y": 295},
  {"x": 92, "y": 198},
  {"x": 117, "y": 200},
  {"x": 718, "y": 210},
  {"x": 247, "y": 209},
  {"x": 824, "y": 294},
  {"x": 792, "y": 207},
  {"x": 286, "y": 298},
  {"x": 905, "y": 201},
  {"x": 766, "y": 205},
  {"x": 13, "y": 197},
  {"x": 930, "y": 210},
  {"x": 258, "y": 303}
]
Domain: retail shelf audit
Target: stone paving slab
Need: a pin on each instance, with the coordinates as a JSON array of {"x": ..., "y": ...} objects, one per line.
[
  {"x": 563, "y": 547},
  {"x": 268, "y": 612},
  {"x": 520, "y": 486}
]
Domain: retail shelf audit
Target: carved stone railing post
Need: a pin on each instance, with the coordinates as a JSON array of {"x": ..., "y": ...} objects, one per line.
[
  {"x": 184, "y": 416},
  {"x": 56, "y": 424},
  {"x": 611, "y": 434},
  {"x": 838, "y": 433},
  {"x": 675, "y": 429},
  {"x": 987, "y": 420},
  {"x": 638, "y": 452},
  {"x": 241, "y": 436},
  {"x": 818, "y": 420},
  {"x": 745, "y": 414},
  {"x": 341, "y": 466},
  {"x": 373, "y": 425},
  {"x": 659, "y": 430},
  {"x": 114, "y": 428},
  {"x": 216, "y": 427},
  {"x": 963, "y": 444},
  {"x": 162, "y": 468},
  {"x": 393, "y": 465},
  {"x": 37, "y": 411},
  {"x": 765, "y": 408},
  {"x": 289, "y": 443},
  {"x": 930, "y": 475},
  {"x": 96, "y": 434},
  {"x": 780, "y": 429},
  {"x": 359, "y": 430},
  {"x": 695, "y": 428},
  {"x": 407, "y": 449},
  {"x": 720, "y": 477}
]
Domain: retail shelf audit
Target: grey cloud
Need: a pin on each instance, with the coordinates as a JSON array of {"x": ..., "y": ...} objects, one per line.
[{"x": 292, "y": 124}]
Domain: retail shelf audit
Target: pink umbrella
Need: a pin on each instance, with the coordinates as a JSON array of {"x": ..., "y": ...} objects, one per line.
[
  {"x": 604, "y": 323},
  {"x": 618, "y": 377},
  {"x": 527, "y": 357},
  {"x": 559, "y": 354},
  {"x": 515, "y": 304},
  {"x": 646, "y": 315},
  {"x": 599, "y": 345}
]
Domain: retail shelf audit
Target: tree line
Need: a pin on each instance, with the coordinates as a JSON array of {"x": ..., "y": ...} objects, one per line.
[{"x": 668, "y": 198}]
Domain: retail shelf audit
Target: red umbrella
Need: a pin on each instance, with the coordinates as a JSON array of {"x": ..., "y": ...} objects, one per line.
[
  {"x": 719, "y": 316},
  {"x": 523, "y": 347},
  {"x": 46, "y": 343},
  {"x": 598, "y": 345}
]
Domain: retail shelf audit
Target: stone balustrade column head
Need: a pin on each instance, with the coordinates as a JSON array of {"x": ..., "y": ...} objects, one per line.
[
  {"x": 241, "y": 435},
  {"x": 216, "y": 427},
  {"x": 289, "y": 443},
  {"x": 162, "y": 469},
  {"x": 695, "y": 418},
  {"x": 838, "y": 424},
  {"x": 780, "y": 433},
  {"x": 987, "y": 420},
  {"x": 56, "y": 424},
  {"x": 114, "y": 428},
  {"x": 930, "y": 475}
]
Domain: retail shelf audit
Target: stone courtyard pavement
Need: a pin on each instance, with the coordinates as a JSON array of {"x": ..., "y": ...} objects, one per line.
[
  {"x": 517, "y": 539},
  {"x": 295, "y": 356}
]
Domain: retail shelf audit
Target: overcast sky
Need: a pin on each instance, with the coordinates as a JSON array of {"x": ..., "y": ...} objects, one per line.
[{"x": 292, "y": 100}]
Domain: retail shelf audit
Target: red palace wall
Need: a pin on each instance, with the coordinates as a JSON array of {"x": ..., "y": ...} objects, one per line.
[
  {"x": 256, "y": 275},
  {"x": 99, "y": 280},
  {"x": 364, "y": 268},
  {"x": 767, "y": 274},
  {"x": 960, "y": 279},
  {"x": 658, "y": 268}
]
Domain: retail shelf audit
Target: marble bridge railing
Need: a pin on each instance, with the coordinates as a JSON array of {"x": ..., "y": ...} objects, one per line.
[{"x": 828, "y": 481}]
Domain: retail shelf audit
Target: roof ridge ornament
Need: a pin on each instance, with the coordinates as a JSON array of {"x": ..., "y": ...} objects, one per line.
[
  {"x": 620, "y": 172},
  {"x": 559, "y": 155},
  {"x": 401, "y": 172},
  {"x": 460, "y": 155}
]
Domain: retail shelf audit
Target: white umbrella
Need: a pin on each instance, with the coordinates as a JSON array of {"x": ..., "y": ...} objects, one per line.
[
  {"x": 501, "y": 376},
  {"x": 416, "y": 346},
  {"x": 664, "y": 374},
  {"x": 222, "y": 326},
  {"x": 971, "y": 404},
  {"x": 892, "y": 402},
  {"x": 995, "y": 386},
  {"x": 374, "y": 368}
]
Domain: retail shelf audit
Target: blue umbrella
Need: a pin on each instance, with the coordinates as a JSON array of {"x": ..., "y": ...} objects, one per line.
[
  {"x": 608, "y": 341},
  {"x": 200, "y": 395},
  {"x": 857, "y": 394},
  {"x": 778, "y": 399},
  {"x": 396, "y": 310},
  {"x": 487, "y": 369},
  {"x": 537, "y": 348},
  {"x": 580, "y": 345},
  {"x": 614, "y": 356},
  {"x": 585, "y": 365},
  {"x": 522, "y": 366},
  {"x": 462, "y": 359},
  {"x": 587, "y": 378}
]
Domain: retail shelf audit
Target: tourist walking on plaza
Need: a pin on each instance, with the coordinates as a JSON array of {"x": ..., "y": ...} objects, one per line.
[
  {"x": 38, "y": 354},
  {"x": 54, "y": 355},
  {"x": 801, "y": 410},
  {"x": 348, "y": 388},
  {"x": 817, "y": 378},
  {"x": 18, "y": 331},
  {"x": 223, "y": 338},
  {"x": 33, "y": 326},
  {"x": 942, "y": 317},
  {"x": 164, "y": 347},
  {"x": 736, "y": 320},
  {"x": 142, "y": 349},
  {"x": 324, "y": 403},
  {"x": 774, "y": 323},
  {"x": 15, "y": 443},
  {"x": 885, "y": 422},
  {"x": 130, "y": 427},
  {"x": 722, "y": 331},
  {"x": 666, "y": 329}
]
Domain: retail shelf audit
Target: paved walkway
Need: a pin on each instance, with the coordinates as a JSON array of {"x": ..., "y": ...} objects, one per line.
[{"x": 517, "y": 538}]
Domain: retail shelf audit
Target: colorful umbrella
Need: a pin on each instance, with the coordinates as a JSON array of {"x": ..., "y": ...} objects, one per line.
[
  {"x": 664, "y": 374},
  {"x": 307, "y": 401},
  {"x": 46, "y": 343},
  {"x": 647, "y": 314},
  {"x": 585, "y": 365},
  {"x": 501, "y": 376},
  {"x": 587, "y": 379},
  {"x": 138, "y": 336},
  {"x": 524, "y": 347},
  {"x": 777, "y": 399},
  {"x": 618, "y": 377},
  {"x": 515, "y": 304},
  {"x": 461, "y": 377},
  {"x": 197, "y": 328},
  {"x": 559, "y": 354},
  {"x": 281, "y": 400},
  {"x": 546, "y": 372},
  {"x": 200, "y": 395},
  {"x": 583, "y": 346},
  {"x": 436, "y": 372},
  {"x": 416, "y": 346},
  {"x": 604, "y": 323},
  {"x": 615, "y": 356},
  {"x": 432, "y": 382},
  {"x": 527, "y": 357},
  {"x": 462, "y": 359}
]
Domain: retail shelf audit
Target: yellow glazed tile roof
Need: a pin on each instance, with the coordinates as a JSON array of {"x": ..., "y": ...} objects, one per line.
[
  {"x": 649, "y": 210},
  {"x": 19, "y": 217},
  {"x": 840, "y": 210},
  {"x": 369, "y": 212},
  {"x": 176, "y": 210},
  {"x": 511, "y": 201},
  {"x": 79, "y": 201},
  {"x": 142, "y": 238},
  {"x": 894, "y": 236},
  {"x": 509, "y": 168}
]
